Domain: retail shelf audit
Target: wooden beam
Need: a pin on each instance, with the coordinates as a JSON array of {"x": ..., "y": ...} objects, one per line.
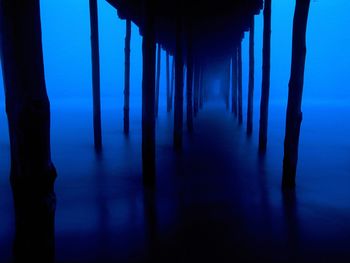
[
  {"x": 251, "y": 80},
  {"x": 127, "y": 77},
  {"x": 179, "y": 83},
  {"x": 227, "y": 84},
  {"x": 201, "y": 88},
  {"x": 189, "y": 86},
  {"x": 172, "y": 88},
  {"x": 196, "y": 88},
  {"x": 240, "y": 109},
  {"x": 95, "y": 61},
  {"x": 32, "y": 172},
  {"x": 265, "y": 87},
  {"x": 168, "y": 86},
  {"x": 148, "y": 98},
  {"x": 159, "y": 49},
  {"x": 234, "y": 81},
  {"x": 296, "y": 84}
]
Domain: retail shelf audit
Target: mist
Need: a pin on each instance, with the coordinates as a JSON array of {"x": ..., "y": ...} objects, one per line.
[{"x": 215, "y": 199}]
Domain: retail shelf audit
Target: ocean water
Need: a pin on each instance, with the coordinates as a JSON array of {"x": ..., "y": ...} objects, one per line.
[{"x": 218, "y": 194}]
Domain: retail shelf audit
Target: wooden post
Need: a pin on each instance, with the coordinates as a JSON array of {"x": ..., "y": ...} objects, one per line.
[
  {"x": 32, "y": 172},
  {"x": 168, "y": 91},
  {"x": 158, "y": 79},
  {"x": 196, "y": 88},
  {"x": 127, "y": 77},
  {"x": 189, "y": 86},
  {"x": 148, "y": 98},
  {"x": 251, "y": 80},
  {"x": 296, "y": 84},
  {"x": 240, "y": 109},
  {"x": 201, "y": 87},
  {"x": 172, "y": 87},
  {"x": 227, "y": 85},
  {"x": 234, "y": 82},
  {"x": 265, "y": 87},
  {"x": 179, "y": 79},
  {"x": 95, "y": 61}
]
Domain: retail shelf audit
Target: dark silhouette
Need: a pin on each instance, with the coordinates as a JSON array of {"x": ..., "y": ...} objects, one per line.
[
  {"x": 196, "y": 89},
  {"x": 172, "y": 87},
  {"x": 151, "y": 224},
  {"x": 227, "y": 84},
  {"x": 290, "y": 210},
  {"x": 189, "y": 85},
  {"x": 234, "y": 82},
  {"x": 296, "y": 84},
  {"x": 95, "y": 61},
  {"x": 32, "y": 173},
  {"x": 168, "y": 87},
  {"x": 265, "y": 87},
  {"x": 251, "y": 80},
  {"x": 159, "y": 49},
  {"x": 127, "y": 77},
  {"x": 201, "y": 88},
  {"x": 240, "y": 109},
  {"x": 148, "y": 97},
  {"x": 179, "y": 83}
]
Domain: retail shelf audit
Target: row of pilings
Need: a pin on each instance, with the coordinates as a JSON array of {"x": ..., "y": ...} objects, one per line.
[
  {"x": 28, "y": 109},
  {"x": 195, "y": 88}
]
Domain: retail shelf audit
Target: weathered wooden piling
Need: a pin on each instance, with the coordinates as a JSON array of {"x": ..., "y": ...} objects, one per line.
[
  {"x": 201, "y": 88},
  {"x": 265, "y": 87},
  {"x": 32, "y": 172},
  {"x": 148, "y": 97},
  {"x": 159, "y": 49},
  {"x": 95, "y": 61},
  {"x": 172, "y": 86},
  {"x": 168, "y": 88},
  {"x": 240, "y": 85},
  {"x": 179, "y": 79},
  {"x": 127, "y": 77},
  {"x": 296, "y": 83},
  {"x": 227, "y": 84},
  {"x": 251, "y": 80},
  {"x": 189, "y": 85},
  {"x": 234, "y": 81},
  {"x": 196, "y": 89}
]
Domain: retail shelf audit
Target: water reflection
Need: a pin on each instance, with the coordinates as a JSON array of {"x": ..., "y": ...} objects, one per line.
[
  {"x": 35, "y": 227},
  {"x": 151, "y": 228},
  {"x": 290, "y": 211}
]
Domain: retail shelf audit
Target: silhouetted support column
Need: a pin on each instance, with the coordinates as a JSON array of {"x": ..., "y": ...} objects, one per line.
[
  {"x": 251, "y": 80},
  {"x": 95, "y": 61},
  {"x": 168, "y": 90},
  {"x": 158, "y": 79},
  {"x": 240, "y": 108},
  {"x": 189, "y": 86},
  {"x": 227, "y": 85},
  {"x": 265, "y": 88},
  {"x": 28, "y": 111},
  {"x": 296, "y": 83},
  {"x": 234, "y": 82},
  {"x": 196, "y": 88},
  {"x": 200, "y": 89},
  {"x": 179, "y": 79},
  {"x": 148, "y": 98},
  {"x": 127, "y": 77},
  {"x": 172, "y": 87}
]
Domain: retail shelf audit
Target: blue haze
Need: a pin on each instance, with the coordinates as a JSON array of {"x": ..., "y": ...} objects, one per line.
[
  {"x": 324, "y": 145},
  {"x": 66, "y": 40}
]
